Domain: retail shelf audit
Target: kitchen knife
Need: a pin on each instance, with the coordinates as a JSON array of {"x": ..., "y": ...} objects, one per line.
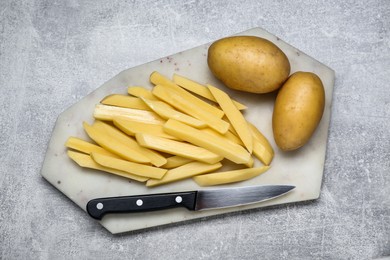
[{"x": 192, "y": 200}]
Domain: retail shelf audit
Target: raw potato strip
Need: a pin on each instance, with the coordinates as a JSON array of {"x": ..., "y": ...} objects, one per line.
[
  {"x": 261, "y": 138},
  {"x": 261, "y": 153},
  {"x": 231, "y": 128},
  {"x": 130, "y": 167},
  {"x": 158, "y": 79},
  {"x": 109, "y": 113},
  {"x": 141, "y": 92},
  {"x": 229, "y": 135},
  {"x": 176, "y": 161},
  {"x": 183, "y": 172},
  {"x": 124, "y": 101},
  {"x": 86, "y": 147},
  {"x": 229, "y": 176},
  {"x": 200, "y": 90},
  {"x": 178, "y": 148},
  {"x": 174, "y": 99},
  {"x": 154, "y": 157},
  {"x": 215, "y": 144},
  {"x": 132, "y": 127},
  {"x": 250, "y": 163},
  {"x": 262, "y": 149},
  {"x": 166, "y": 111},
  {"x": 111, "y": 144},
  {"x": 85, "y": 161},
  {"x": 234, "y": 115},
  {"x": 214, "y": 122}
]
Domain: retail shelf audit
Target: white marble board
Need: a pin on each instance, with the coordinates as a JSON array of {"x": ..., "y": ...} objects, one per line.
[{"x": 302, "y": 168}]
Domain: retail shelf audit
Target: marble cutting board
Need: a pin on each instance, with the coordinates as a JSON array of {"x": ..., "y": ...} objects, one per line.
[{"x": 302, "y": 168}]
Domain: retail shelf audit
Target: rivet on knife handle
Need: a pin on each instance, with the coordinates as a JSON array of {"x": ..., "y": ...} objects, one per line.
[{"x": 97, "y": 208}]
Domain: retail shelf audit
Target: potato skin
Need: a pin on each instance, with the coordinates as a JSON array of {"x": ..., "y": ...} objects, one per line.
[
  {"x": 248, "y": 63},
  {"x": 298, "y": 110}
]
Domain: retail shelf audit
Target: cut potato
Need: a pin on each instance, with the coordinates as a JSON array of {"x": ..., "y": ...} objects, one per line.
[
  {"x": 229, "y": 135},
  {"x": 250, "y": 163},
  {"x": 183, "y": 172},
  {"x": 141, "y": 92},
  {"x": 176, "y": 161},
  {"x": 260, "y": 137},
  {"x": 86, "y": 147},
  {"x": 214, "y": 122},
  {"x": 219, "y": 178},
  {"x": 262, "y": 153},
  {"x": 108, "y": 113},
  {"x": 177, "y": 148},
  {"x": 131, "y": 127},
  {"x": 85, "y": 161},
  {"x": 215, "y": 144},
  {"x": 199, "y": 89},
  {"x": 154, "y": 157},
  {"x": 234, "y": 115},
  {"x": 166, "y": 111},
  {"x": 262, "y": 149},
  {"x": 124, "y": 101},
  {"x": 113, "y": 145},
  {"x": 130, "y": 167},
  {"x": 158, "y": 79},
  {"x": 231, "y": 128}
]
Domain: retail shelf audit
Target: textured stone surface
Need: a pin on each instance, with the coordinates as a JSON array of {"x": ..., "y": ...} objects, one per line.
[{"x": 53, "y": 53}]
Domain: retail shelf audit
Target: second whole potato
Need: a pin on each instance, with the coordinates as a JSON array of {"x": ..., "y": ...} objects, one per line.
[{"x": 298, "y": 110}]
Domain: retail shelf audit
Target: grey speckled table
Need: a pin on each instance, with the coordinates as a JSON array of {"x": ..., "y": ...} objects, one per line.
[{"x": 52, "y": 53}]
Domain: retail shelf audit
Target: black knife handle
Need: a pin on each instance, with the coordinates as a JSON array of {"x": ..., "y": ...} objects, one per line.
[{"x": 97, "y": 208}]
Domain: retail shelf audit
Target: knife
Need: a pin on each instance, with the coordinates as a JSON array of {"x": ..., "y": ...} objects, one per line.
[{"x": 192, "y": 200}]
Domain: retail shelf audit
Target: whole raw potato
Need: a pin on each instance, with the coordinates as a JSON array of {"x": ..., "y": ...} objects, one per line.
[
  {"x": 248, "y": 63},
  {"x": 298, "y": 110}
]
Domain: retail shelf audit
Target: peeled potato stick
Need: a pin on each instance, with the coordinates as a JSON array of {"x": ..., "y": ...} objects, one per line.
[
  {"x": 176, "y": 161},
  {"x": 231, "y": 128},
  {"x": 262, "y": 149},
  {"x": 214, "y": 122},
  {"x": 141, "y": 92},
  {"x": 219, "y": 178},
  {"x": 215, "y": 144},
  {"x": 183, "y": 172},
  {"x": 250, "y": 163},
  {"x": 177, "y": 148},
  {"x": 111, "y": 144},
  {"x": 166, "y": 111},
  {"x": 229, "y": 135},
  {"x": 260, "y": 137},
  {"x": 158, "y": 79},
  {"x": 154, "y": 157},
  {"x": 131, "y": 127},
  {"x": 109, "y": 113},
  {"x": 130, "y": 167},
  {"x": 261, "y": 153},
  {"x": 199, "y": 89},
  {"x": 85, "y": 161},
  {"x": 86, "y": 147},
  {"x": 234, "y": 115},
  {"x": 124, "y": 101}
]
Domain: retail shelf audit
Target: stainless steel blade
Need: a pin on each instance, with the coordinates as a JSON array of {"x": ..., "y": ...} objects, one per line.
[{"x": 230, "y": 197}]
